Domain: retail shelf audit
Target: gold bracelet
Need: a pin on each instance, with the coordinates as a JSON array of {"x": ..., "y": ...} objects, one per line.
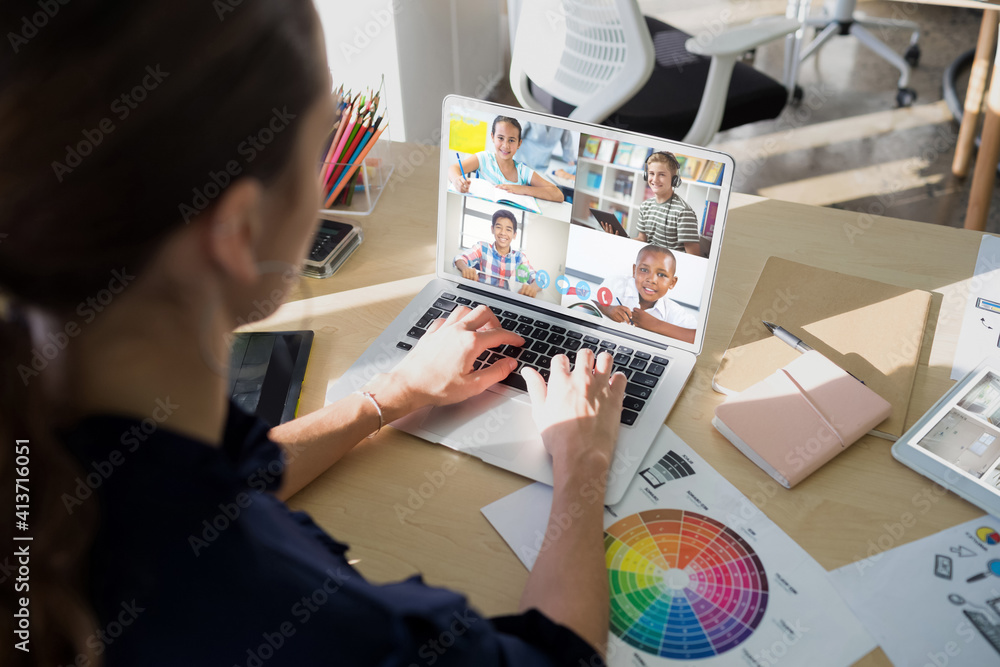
[{"x": 378, "y": 409}]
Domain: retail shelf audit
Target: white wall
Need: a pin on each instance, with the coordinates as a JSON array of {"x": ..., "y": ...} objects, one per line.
[{"x": 426, "y": 49}]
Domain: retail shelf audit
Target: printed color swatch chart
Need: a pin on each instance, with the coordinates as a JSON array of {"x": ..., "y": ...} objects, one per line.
[{"x": 683, "y": 585}]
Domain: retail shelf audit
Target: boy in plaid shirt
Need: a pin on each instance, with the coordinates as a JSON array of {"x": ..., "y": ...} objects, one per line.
[{"x": 496, "y": 264}]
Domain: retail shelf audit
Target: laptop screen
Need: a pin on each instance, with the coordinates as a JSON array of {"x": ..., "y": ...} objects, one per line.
[{"x": 616, "y": 228}]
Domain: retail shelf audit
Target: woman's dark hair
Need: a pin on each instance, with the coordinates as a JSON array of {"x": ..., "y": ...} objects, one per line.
[
  {"x": 119, "y": 122},
  {"x": 506, "y": 119},
  {"x": 504, "y": 213}
]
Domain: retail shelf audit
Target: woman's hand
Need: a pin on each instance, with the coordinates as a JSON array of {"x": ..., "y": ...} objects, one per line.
[
  {"x": 438, "y": 370},
  {"x": 579, "y": 411}
]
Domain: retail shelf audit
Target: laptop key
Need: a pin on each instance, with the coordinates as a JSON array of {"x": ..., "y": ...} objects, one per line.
[
  {"x": 637, "y": 390},
  {"x": 660, "y": 360},
  {"x": 556, "y": 339},
  {"x": 515, "y": 380},
  {"x": 415, "y": 332},
  {"x": 608, "y": 345},
  {"x": 496, "y": 311},
  {"x": 476, "y": 365},
  {"x": 626, "y": 350},
  {"x": 523, "y": 329},
  {"x": 638, "y": 364},
  {"x": 462, "y": 300},
  {"x": 642, "y": 355},
  {"x": 591, "y": 340},
  {"x": 544, "y": 372},
  {"x": 525, "y": 319},
  {"x": 633, "y": 403},
  {"x": 542, "y": 325},
  {"x": 433, "y": 313},
  {"x": 495, "y": 357},
  {"x": 629, "y": 417},
  {"x": 572, "y": 357},
  {"x": 643, "y": 379},
  {"x": 449, "y": 296},
  {"x": 511, "y": 351},
  {"x": 627, "y": 372},
  {"x": 509, "y": 314},
  {"x": 509, "y": 325},
  {"x": 404, "y": 346},
  {"x": 446, "y": 306},
  {"x": 484, "y": 356},
  {"x": 575, "y": 335},
  {"x": 540, "y": 347},
  {"x": 589, "y": 346},
  {"x": 622, "y": 359},
  {"x": 571, "y": 344},
  {"x": 423, "y": 322},
  {"x": 558, "y": 330},
  {"x": 655, "y": 369},
  {"x": 528, "y": 356},
  {"x": 544, "y": 362}
]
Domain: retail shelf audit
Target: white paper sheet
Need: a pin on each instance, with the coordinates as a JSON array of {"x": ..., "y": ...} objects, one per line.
[
  {"x": 918, "y": 600},
  {"x": 702, "y": 575},
  {"x": 980, "y": 334}
]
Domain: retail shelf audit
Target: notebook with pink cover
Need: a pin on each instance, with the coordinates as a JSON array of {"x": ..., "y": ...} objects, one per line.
[{"x": 800, "y": 417}]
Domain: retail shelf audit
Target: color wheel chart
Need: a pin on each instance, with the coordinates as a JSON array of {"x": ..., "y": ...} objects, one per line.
[{"x": 683, "y": 585}]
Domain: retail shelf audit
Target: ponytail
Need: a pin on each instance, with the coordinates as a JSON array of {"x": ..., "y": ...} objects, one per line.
[{"x": 59, "y": 617}]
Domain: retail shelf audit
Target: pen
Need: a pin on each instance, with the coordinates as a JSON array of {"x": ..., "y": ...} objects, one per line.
[
  {"x": 459, "y": 158},
  {"x": 795, "y": 342},
  {"x": 623, "y": 305},
  {"x": 787, "y": 337}
]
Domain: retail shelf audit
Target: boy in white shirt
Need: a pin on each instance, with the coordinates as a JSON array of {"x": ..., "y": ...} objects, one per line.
[{"x": 641, "y": 299}]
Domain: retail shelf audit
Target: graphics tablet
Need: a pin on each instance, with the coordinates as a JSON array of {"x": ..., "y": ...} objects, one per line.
[{"x": 957, "y": 443}]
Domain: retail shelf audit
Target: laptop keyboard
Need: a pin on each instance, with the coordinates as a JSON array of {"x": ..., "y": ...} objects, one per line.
[{"x": 542, "y": 341}]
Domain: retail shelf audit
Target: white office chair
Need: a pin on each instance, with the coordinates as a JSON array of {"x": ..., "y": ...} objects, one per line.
[
  {"x": 603, "y": 61},
  {"x": 839, "y": 17}
]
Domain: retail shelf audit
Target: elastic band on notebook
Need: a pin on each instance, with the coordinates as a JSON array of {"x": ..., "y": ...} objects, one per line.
[{"x": 812, "y": 405}]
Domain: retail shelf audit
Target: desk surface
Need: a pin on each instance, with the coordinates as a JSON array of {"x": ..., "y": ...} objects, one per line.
[{"x": 393, "y": 502}]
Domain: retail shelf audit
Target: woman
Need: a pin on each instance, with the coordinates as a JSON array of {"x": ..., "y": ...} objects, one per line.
[{"x": 156, "y": 158}]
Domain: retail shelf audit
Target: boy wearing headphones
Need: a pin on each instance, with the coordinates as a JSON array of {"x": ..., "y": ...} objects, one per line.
[{"x": 665, "y": 219}]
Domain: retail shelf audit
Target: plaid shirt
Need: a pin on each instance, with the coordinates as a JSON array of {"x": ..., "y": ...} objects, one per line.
[{"x": 484, "y": 257}]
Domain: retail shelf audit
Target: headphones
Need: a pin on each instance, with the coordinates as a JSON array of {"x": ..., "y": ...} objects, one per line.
[{"x": 671, "y": 160}]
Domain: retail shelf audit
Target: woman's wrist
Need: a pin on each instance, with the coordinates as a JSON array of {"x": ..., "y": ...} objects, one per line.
[{"x": 394, "y": 396}]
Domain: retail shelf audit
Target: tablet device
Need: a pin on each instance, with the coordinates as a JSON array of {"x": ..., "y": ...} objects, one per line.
[
  {"x": 266, "y": 372},
  {"x": 957, "y": 443},
  {"x": 610, "y": 219}
]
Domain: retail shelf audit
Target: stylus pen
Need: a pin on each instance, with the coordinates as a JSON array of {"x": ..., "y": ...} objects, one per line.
[
  {"x": 623, "y": 305},
  {"x": 789, "y": 338}
]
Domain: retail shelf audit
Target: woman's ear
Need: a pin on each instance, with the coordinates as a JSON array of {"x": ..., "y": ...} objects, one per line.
[{"x": 233, "y": 228}]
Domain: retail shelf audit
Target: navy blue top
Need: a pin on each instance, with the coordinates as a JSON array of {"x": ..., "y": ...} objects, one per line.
[{"x": 197, "y": 563}]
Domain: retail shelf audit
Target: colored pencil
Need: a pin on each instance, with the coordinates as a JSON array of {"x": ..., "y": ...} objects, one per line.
[{"x": 354, "y": 167}]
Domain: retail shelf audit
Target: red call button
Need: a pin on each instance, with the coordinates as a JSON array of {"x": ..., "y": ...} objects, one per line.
[{"x": 604, "y": 296}]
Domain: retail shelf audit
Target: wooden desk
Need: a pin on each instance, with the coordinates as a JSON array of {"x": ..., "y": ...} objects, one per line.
[{"x": 839, "y": 515}]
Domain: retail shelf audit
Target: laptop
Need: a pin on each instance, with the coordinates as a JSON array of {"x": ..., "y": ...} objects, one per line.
[{"x": 580, "y": 272}]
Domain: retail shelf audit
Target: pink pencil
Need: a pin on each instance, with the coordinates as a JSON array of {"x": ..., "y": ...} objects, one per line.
[
  {"x": 355, "y": 117},
  {"x": 347, "y": 121},
  {"x": 336, "y": 137}
]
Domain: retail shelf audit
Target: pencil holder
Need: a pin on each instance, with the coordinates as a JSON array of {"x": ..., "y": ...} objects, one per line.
[{"x": 360, "y": 183}]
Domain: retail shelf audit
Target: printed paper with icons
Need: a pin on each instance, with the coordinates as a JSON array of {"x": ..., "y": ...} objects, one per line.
[{"x": 698, "y": 573}]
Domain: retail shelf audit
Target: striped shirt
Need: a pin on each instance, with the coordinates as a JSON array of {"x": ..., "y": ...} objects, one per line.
[
  {"x": 484, "y": 257},
  {"x": 670, "y": 224}
]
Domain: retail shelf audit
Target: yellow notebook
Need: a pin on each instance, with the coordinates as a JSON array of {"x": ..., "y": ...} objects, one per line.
[{"x": 871, "y": 329}]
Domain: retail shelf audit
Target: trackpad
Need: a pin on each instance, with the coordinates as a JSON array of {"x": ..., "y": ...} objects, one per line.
[{"x": 486, "y": 425}]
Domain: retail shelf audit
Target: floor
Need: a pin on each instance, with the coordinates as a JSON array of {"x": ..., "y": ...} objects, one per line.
[{"x": 847, "y": 145}]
